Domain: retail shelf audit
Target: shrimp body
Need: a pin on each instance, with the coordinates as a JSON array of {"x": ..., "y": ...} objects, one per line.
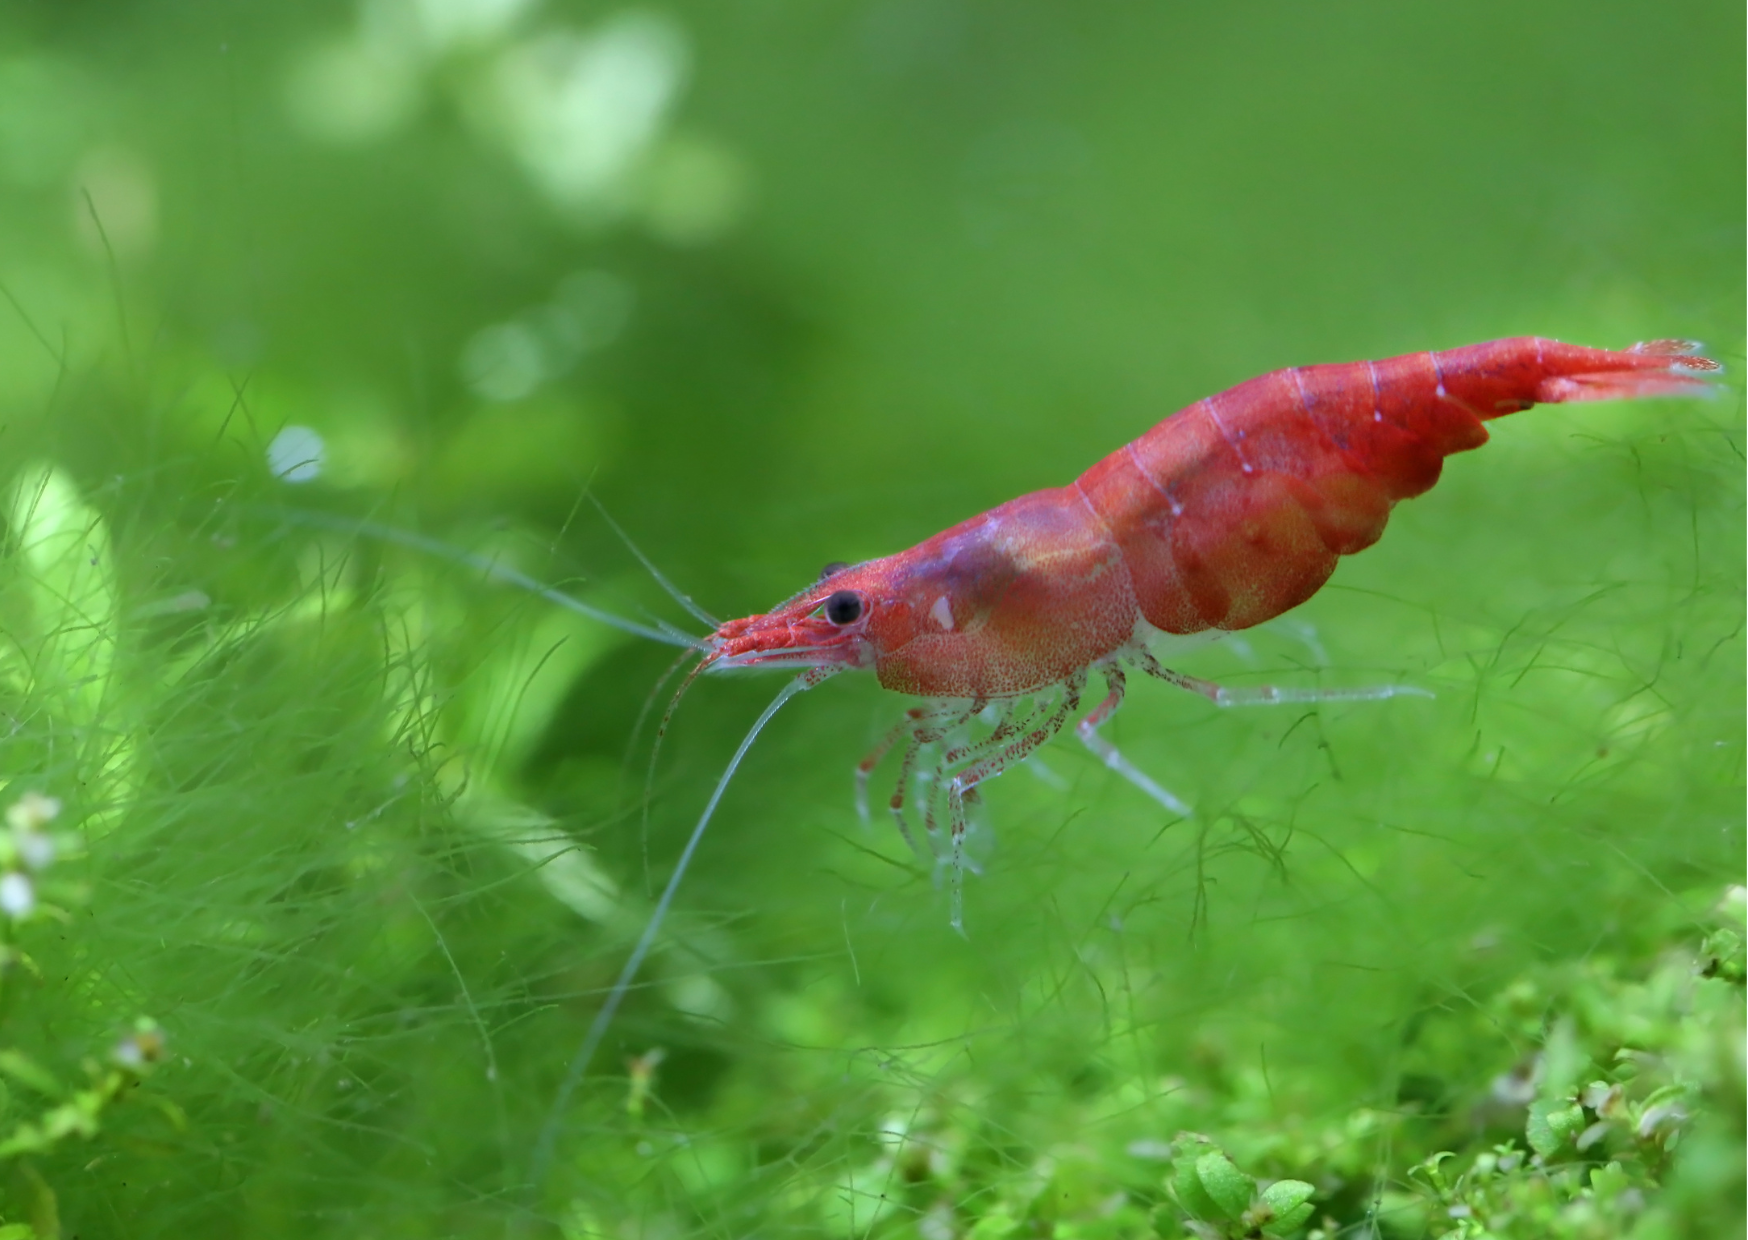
[{"x": 1224, "y": 515}]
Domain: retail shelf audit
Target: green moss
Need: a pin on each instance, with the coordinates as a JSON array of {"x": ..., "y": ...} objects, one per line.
[{"x": 365, "y": 833}]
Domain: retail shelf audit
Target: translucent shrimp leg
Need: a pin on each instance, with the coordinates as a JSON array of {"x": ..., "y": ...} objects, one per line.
[
  {"x": 865, "y": 768},
  {"x": 1220, "y": 695},
  {"x": 1270, "y": 695},
  {"x": 1011, "y": 722},
  {"x": 931, "y": 726},
  {"x": 942, "y": 715},
  {"x": 1088, "y": 731},
  {"x": 991, "y": 765}
]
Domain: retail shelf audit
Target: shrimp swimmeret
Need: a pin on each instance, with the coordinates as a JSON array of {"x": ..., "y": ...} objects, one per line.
[{"x": 1224, "y": 515}]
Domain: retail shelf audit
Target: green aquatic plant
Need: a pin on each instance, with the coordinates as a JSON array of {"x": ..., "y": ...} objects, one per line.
[
  {"x": 53, "y": 1094},
  {"x": 369, "y": 833}
]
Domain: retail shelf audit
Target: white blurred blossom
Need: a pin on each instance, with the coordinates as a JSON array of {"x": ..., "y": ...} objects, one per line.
[
  {"x": 32, "y": 812},
  {"x": 27, "y": 821},
  {"x": 141, "y": 1048},
  {"x": 36, "y": 849},
  {"x": 584, "y": 112},
  {"x": 296, "y": 454},
  {"x": 443, "y": 26},
  {"x": 17, "y": 895},
  {"x": 581, "y": 111}
]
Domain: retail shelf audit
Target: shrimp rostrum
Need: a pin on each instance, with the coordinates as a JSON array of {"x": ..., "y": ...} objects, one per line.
[{"x": 1224, "y": 515}]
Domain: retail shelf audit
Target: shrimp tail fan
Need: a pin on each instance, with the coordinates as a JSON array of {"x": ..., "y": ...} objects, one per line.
[{"x": 1654, "y": 368}]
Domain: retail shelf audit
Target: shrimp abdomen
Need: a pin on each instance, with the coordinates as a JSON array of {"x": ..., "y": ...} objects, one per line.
[{"x": 1237, "y": 508}]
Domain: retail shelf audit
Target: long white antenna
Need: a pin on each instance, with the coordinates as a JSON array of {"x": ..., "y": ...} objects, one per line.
[
  {"x": 696, "y": 612},
  {"x": 667, "y": 634},
  {"x": 543, "y": 1145}
]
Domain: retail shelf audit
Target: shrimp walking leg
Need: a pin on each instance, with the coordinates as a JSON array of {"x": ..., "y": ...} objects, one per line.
[
  {"x": 991, "y": 765},
  {"x": 1270, "y": 695},
  {"x": 1088, "y": 731},
  {"x": 865, "y": 768},
  {"x": 927, "y": 727},
  {"x": 1009, "y": 723}
]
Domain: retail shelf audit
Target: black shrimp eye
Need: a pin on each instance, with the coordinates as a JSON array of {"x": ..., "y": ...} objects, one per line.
[
  {"x": 832, "y": 569},
  {"x": 844, "y": 607}
]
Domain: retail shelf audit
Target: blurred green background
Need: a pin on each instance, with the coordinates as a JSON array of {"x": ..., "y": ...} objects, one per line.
[{"x": 363, "y": 830}]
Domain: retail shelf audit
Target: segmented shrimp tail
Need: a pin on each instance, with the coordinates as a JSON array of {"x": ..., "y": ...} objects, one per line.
[
  {"x": 1652, "y": 368},
  {"x": 1234, "y": 510}
]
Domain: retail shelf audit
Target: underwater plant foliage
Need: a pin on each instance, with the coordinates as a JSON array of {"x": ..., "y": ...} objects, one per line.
[{"x": 324, "y": 840}]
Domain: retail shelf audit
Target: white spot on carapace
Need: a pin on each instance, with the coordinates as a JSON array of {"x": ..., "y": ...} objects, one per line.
[
  {"x": 1247, "y": 468},
  {"x": 1377, "y": 415},
  {"x": 942, "y": 612},
  {"x": 1177, "y": 509}
]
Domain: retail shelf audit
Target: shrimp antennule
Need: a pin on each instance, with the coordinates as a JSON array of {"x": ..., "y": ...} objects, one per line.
[
  {"x": 492, "y": 569},
  {"x": 673, "y": 591},
  {"x": 661, "y": 734}
]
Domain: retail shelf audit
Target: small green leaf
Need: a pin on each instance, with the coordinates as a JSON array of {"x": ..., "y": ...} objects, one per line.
[
  {"x": 1228, "y": 1187},
  {"x": 1563, "y": 1060},
  {"x": 1188, "y": 1186},
  {"x": 1288, "y": 1203},
  {"x": 997, "y": 1224},
  {"x": 1553, "y": 1125},
  {"x": 1432, "y": 1172},
  {"x": 1186, "y": 1147},
  {"x": 1609, "y": 1182},
  {"x": 17, "y": 1231},
  {"x": 1167, "y": 1222}
]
